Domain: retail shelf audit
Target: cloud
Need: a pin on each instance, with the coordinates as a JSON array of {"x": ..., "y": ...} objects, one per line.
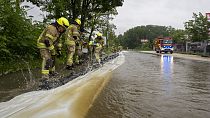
[
  {"x": 34, "y": 11},
  {"x": 158, "y": 12}
]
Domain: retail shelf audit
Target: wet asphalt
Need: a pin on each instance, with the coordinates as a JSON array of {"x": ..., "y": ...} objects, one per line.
[{"x": 155, "y": 86}]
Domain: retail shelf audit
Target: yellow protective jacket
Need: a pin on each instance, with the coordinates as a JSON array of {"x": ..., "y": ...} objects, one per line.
[
  {"x": 71, "y": 31},
  {"x": 99, "y": 42},
  {"x": 50, "y": 33}
]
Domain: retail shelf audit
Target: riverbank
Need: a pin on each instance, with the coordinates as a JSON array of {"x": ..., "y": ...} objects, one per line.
[
  {"x": 70, "y": 100},
  {"x": 17, "y": 65},
  {"x": 22, "y": 81}
]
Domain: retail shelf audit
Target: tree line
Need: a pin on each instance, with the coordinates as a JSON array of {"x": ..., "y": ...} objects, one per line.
[{"x": 195, "y": 30}]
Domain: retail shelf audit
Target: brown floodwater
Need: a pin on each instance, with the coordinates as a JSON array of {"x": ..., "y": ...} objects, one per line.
[{"x": 155, "y": 86}]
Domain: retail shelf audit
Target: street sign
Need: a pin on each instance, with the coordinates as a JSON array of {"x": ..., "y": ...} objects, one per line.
[
  {"x": 144, "y": 40},
  {"x": 208, "y": 16}
]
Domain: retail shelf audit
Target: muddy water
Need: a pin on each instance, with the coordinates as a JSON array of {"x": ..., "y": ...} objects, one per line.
[
  {"x": 71, "y": 100},
  {"x": 23, "y": 81},
  {"x": 16, "y": 83},
  {"x": 152, "y": 86}
]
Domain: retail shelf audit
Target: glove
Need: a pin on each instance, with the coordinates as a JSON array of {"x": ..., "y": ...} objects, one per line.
[
  {"x": 96, "y": 44},
  {"x": 47, "y": 42},
  {"x": 77, "y": 44},
  {"x": 91, "y": 43},
  {"x": 53, "y": 57},
  {"x": 52, "y": 60},
  {"x": 75, "y": 37},
  {"x": 58, "y": 53},
  {"x": 84, "y": 43},
  {"x": 53, "y": 52}
]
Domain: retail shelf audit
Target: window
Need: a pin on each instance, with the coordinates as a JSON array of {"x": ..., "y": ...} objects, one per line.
[{"x": 167, "y": 42}]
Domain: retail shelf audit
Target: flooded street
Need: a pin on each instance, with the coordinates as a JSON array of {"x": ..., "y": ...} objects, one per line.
[
  {"x": 133, "y": 85},
  {"x": 155, "y": 86}
]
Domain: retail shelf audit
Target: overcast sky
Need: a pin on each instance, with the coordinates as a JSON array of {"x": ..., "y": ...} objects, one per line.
[
  {"x": 158, "y": 12},
  {"x": 151, "y": 12}
]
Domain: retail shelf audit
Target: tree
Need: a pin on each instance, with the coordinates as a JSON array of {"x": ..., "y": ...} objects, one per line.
[
  {"x": 132, "y": 37},
  {"x": 17, "y": 33},
  {"x": 85, "y": 9},
  {"x": 197, "y": 28},
  {"x": 178, "y": 35},
  {"x": 93, "y": 13}
]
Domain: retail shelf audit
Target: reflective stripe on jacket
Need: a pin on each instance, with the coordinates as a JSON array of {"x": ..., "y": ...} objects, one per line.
[
  {"x": 50, "y": 33},
  {"x": 99, "y": 41},
  {"x": 71, "y": 31}
]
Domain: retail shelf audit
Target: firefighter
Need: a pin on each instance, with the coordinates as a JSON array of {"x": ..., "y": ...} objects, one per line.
[
  {"x": 79, "y": 45},
  {"x": 47, "y": 42},
  {"x": 72, "y": 39},
  {"x": 120, "y": 48},
  {"x": 83, "y": 49},
  {"x": 99, "y": 44},
  {"x": 91, "y": 48}
]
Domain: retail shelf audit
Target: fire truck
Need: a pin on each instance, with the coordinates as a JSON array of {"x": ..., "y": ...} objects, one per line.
[{"x": 163, "y": 44}]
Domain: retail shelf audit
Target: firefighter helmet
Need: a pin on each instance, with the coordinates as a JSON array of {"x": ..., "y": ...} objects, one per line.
[
  {"x": 99, "y": 34},
  {"x": 63, "y": 22},
  {"x": 78, "y": 21}
]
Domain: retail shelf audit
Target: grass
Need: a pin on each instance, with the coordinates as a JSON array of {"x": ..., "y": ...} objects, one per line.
[{"x": 16, "y": 65}]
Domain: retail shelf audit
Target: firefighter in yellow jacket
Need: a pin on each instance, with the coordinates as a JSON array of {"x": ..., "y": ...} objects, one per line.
[
  {"x": 72, "y": 37},
  {"x": 99, "y": 44},
  {"x": 48, "y": 41}
]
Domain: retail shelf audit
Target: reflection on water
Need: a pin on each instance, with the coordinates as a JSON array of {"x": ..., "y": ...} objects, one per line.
[{"x": 167, "y": 63}]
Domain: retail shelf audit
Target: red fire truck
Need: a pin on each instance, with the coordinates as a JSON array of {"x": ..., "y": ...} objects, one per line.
[{"x": 163, "y": 44}]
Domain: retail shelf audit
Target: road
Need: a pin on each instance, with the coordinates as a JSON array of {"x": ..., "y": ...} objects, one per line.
[{"x": 156, "y": 86}]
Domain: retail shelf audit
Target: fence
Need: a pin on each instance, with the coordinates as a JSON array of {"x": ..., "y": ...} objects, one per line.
[{"x": 202, "y": 48}]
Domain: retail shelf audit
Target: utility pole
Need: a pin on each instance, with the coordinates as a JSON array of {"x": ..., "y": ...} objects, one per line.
[
  {"x": 205, "y": 43},
  {"x": 187, "y": 42},
  {"x": 107, "y": 31},
  {"x": 107, "y": 27}
]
